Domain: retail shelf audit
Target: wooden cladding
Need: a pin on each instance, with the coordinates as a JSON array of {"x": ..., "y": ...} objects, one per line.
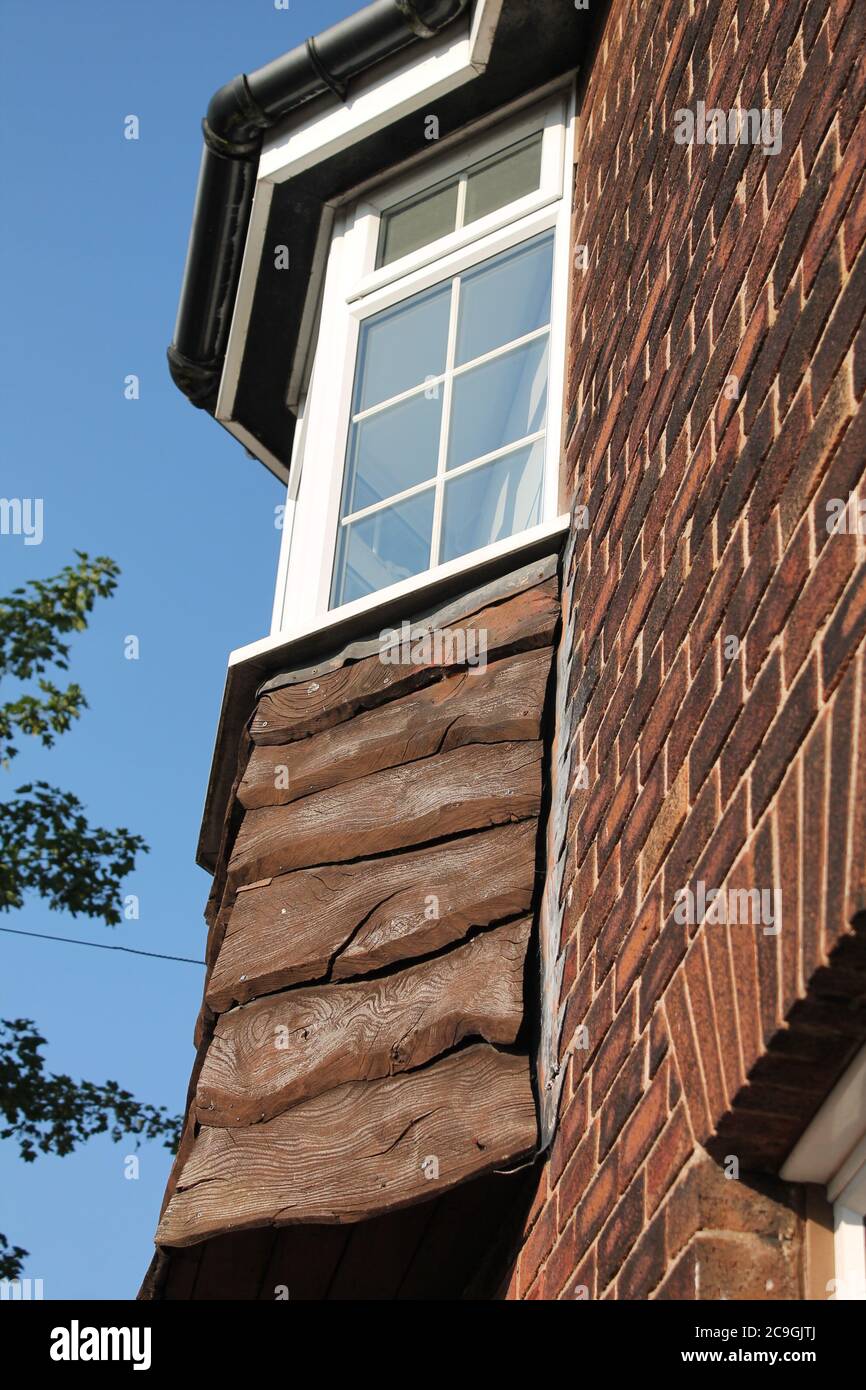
[
  {"x": 359, "y": 1149},
  {"x": 364, "y": 1042}
]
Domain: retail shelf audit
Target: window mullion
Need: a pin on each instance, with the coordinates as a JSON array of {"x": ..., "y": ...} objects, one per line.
[
  {"x": 445, "y": 433},
  {"x": 461, "y": 202}
]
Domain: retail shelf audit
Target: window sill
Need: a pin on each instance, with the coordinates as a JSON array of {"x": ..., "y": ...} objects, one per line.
[{"x": 251, "y": 666}]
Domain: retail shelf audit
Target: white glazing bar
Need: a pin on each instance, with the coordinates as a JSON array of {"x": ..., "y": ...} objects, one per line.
[
  {"x": 445, "y": 433},
  {"x": 512, "y": 448}
]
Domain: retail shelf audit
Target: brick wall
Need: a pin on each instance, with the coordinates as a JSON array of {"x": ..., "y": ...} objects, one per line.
[{"x": 716, "y": 697}]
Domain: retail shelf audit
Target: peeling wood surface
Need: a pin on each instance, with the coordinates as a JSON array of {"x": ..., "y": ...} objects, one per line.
[
  {"x": 348, "y": 919},
  {"x": 288, "y": 1047},
  {"x": 358, "y": 1149},
  {"x": 524, "y": 622},
  {"x": 500, "y": 704},
  {"x": 467, "y": 789}
]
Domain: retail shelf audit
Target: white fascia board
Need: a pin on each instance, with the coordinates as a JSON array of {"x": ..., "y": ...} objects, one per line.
[
  {"x": 255, "y": 446},
  {"x": 834, "y": 1132},
  {"x": 243, "y": 307},
  {"x": 377, "y": 101},
  {"x": 381, "y": 98}
]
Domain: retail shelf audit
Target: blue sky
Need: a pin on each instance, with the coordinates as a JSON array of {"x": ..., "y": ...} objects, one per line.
[{"x": 92, "y": 256}]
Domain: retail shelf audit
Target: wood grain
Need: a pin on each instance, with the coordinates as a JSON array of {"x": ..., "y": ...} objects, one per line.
[
  {"x": 358, "y": 1150},
  {"x": 524, "y": 622},
  {"x": 365, "y": 916},
  {"x": 268, "y": 1055},
  {"x": 467, "y": 789},
  {"x": 501, "y": 704}
]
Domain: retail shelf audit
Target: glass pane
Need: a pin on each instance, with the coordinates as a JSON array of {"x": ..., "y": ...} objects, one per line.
[
  {"x": 504, "y": 178},
  {"x": 498, "y": 403},
  {"x": 504, "y": 299},
  {"x": 412, "y": 225},
  {"x": 487, "y": 504},
  {"x": 402, "y": 347},
  {"x": 383, "y": 548},
  {"x": 393, "y": 450}
]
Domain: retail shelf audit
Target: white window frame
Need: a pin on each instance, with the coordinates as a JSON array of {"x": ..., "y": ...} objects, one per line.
[
  {"x": 354, "y": 289},
  {"x": 832, "y": 1153}
]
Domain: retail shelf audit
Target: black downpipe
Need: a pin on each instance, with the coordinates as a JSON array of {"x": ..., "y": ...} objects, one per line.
[{"x": 237, "y": 117}]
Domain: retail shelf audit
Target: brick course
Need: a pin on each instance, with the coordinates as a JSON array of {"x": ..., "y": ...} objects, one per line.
[{"x": 717, "y": 690}]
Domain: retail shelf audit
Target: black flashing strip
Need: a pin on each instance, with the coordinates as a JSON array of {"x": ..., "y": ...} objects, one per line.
[{"x": 237, "y": 117}]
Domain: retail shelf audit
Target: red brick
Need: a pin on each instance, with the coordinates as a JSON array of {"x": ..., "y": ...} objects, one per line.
[
  {"x": 621, "y": 1232},
  {"x": 818, "y": 599},
  {"x": 688, "y": 1060},
  {"x": 645, "y": 1266},
  {"x": 644, "y": 1127},
  {"x": 674, "y": 1147},
  {"x": 783, "y": 739}
]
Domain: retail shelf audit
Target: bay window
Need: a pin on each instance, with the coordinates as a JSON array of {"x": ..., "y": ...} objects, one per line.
[{"x": 431, "y": 431}]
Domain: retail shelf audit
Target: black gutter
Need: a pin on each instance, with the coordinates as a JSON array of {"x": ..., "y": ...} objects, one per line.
[{"x": 237, "y": 117}]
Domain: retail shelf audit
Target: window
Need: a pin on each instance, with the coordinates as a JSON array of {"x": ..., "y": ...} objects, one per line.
[
  {"x": 832, "y": 1153},
  {"x": 432, "y": 425}
]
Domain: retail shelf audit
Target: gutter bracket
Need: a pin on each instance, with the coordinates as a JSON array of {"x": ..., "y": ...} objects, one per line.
[{"x": 340, "y": 89}]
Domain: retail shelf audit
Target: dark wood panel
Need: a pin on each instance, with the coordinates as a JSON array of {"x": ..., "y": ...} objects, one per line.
[
  {"x": 502, "y": 704},
  {"x": 358, "y": 1150},
  {"x": 467, "y": 789},
  {"x": 368, "y": 915},
  {"x": 268, "y": 1055},
  {"x": 526, "y": 621}
]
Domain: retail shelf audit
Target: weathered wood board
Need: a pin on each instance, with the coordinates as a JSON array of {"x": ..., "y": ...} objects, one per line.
[
  {"x": 523, "y": 621},
  {"x": 361, "y": 1046},
  {"x": 359, "y": 1149},
  {"x": 348, "y": 919},
  {"x": 467, "y": 789},
  {"x": 502, "y": 703},
  {"x": 275, "y": 1052}
]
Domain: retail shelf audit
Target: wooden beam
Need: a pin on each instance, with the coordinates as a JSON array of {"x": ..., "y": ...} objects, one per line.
[
  {"x": 358, "y": 1150},
  {"x": 522, "y": 623},
  {"x": 271, "y": 1054},
  {"x": 348, "y": 919},
  {"x": 501, "y": 704},
  {"x": 467, "y": 789}
]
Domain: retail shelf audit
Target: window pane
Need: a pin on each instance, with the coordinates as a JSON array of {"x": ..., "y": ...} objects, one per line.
[
  {"x": 411, "y": 225},
  {"x": 498, "y": 403},
  {"x": 401, "y": 347},
  {"x": 383, "y": 548},
  {"x": 492, "y": 502},
  {"x": 392, "y": 450},
  {"x": 504, "y": 178},
  {"x": 505, "y": 299}
]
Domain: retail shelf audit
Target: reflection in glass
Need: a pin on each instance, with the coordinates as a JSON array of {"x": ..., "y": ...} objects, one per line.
[
  {"x": 504, "y": 299},
  {"x": 402, "y": 347},
  {"x": 383, "y": 548},
  {"x": 392, "y": 450},
  {"x": 492, "y": 502},
  {"x": 499, "y": 402}
]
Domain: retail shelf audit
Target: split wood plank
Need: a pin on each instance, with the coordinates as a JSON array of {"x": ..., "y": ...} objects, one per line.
[
  {"x": 467, "y": 789},
  {"x": 368, "y": 915},
  {"x": 522, "y": 623},
  {"x": 361, "y": 1149},
  {"x": 271, "y": 1054},
  {"x": 500, "y": 704}
]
